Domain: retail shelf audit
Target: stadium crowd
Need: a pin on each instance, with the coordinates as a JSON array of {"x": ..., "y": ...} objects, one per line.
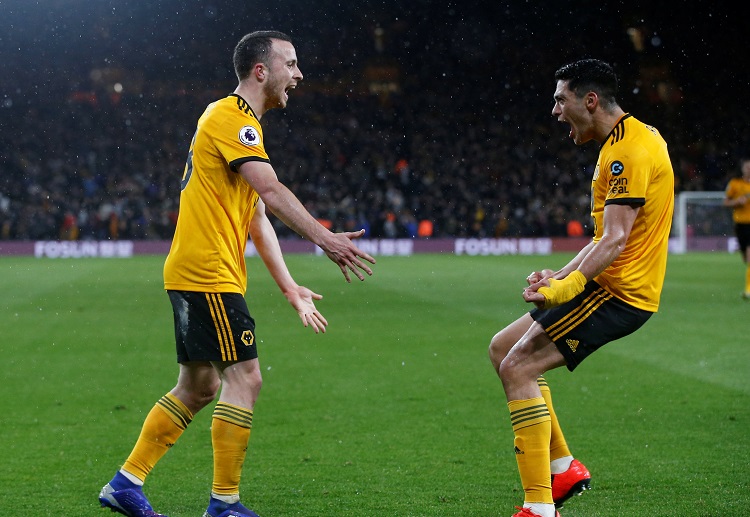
[{"x": 433, "y": 142}]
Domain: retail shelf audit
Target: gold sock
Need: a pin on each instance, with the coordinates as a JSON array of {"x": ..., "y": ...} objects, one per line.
[
  {"x": 163, "y": 426},
  {"x": 531, "y": 425},
  {"x": 747, "y": 278},
  {"x": 558, "y": 447},
  {"x": 230, "y": 433}
]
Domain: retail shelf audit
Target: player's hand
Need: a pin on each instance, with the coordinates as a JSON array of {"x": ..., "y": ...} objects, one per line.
[
  {"x": 530, "y": 294},
  {"x": 343, "y": 252},
  {"x": 536, "y": 279},
  {"x": 537, "y": 276},
  {"x": 302, "y": 299},
  {"x": 550, "y": 292}
]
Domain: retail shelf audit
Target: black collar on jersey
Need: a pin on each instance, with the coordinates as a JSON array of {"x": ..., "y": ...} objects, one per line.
[
  {"x": 618, "y": 132},
  {"x": 244, "y": 105}
]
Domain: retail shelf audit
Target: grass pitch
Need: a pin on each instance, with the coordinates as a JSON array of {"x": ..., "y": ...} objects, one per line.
[{"x": 394, "y": 411}]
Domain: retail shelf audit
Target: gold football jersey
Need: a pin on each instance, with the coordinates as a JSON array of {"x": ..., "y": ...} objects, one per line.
[
  {"x": 216, "y": 203},
  {"x": 634, "y": 168},
  {"x": 739, "y": 187}
]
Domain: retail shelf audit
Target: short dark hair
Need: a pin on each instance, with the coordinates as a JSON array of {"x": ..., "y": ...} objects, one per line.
[
  {"x": 590, "y": 75},
  {"x": 254, "y": 48}
]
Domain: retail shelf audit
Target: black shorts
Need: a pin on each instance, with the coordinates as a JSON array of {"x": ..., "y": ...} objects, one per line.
[
  {"x": 742, "y": 231},
  {"x": 212, "y": 327},
  {"x": 587, "y": 322}
]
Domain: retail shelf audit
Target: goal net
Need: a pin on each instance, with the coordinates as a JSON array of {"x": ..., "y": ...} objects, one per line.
[{"x": 702, "y": 223}]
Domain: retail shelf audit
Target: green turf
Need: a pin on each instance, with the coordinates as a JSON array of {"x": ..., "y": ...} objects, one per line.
[{"x": 394, "y": 411}]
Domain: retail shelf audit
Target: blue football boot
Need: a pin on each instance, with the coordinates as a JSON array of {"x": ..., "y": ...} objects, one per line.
[{"x": 123, "y": 496}]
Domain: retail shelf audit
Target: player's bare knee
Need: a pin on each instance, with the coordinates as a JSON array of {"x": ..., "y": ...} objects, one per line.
[
  {"x": 212, "y": 389},
  {"x": 196, "y": 398},
  {"x": 499, "y": 347},
  {"x": 257, "y": 383},
  {"x": 495, "y": 352},
  {"x": 511, "y": 370},
  {"x": 206, "y": 394},
  {"x": 254, "y": 384},
  {"x": 505, "y": 369}
]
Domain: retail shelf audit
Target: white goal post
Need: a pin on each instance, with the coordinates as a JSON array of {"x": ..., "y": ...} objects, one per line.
[{"x": 702, "y": 223}]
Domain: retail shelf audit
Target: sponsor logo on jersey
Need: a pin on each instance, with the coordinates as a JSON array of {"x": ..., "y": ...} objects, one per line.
[
  {"x": 618, "y": 186},
  {"x": 616, "y": 168}
]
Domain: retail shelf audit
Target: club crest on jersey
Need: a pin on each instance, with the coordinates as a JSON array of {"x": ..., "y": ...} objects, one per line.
[
  {"x": 616, "y": 168},
  {"x": 249, "y": 136}
]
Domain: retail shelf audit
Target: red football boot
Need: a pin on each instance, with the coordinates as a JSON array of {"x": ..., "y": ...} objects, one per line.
[{"x": 571, "y": 482}]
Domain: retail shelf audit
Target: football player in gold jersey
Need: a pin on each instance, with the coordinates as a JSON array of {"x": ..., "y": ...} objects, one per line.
[
  {"x": 737, "y": 197},
  {"x": 227, "y": 184},
  {"x": 607, "y": 291}
]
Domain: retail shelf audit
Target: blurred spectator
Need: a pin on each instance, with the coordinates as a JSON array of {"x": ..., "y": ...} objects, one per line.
[{"x": 421, "y": 150}]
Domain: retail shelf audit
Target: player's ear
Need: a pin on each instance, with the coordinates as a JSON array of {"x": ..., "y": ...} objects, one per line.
[
  {"x": 592, "y": 100},
  {"x": 259, "y": 70}
]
